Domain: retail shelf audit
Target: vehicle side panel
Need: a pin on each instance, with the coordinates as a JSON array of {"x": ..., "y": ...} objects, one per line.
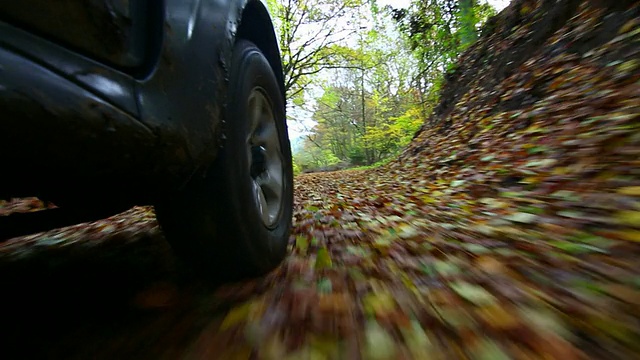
[
  {"x": 64, "y": 140},
  {"x": 113, "y": 86},
  {"x": 191, "y": 79},
  {"x": 113, "y": 31},
  {"x": 89, "y": 128},
  {"x": 182, "y": 101}
]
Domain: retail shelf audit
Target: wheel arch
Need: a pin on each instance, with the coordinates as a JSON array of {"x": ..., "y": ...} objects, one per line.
[{"x": 256, "y": 26}]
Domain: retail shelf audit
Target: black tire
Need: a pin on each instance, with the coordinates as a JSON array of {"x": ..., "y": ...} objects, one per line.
[{"x": 216, "y": 224}]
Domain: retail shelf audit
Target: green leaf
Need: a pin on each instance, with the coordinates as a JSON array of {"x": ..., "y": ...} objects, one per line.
[
  {"x": 380, "y": 303},
  {"x": 566, "y": 195},
  {"x": 476, "y": 249},
  {"x": 532, "y": 210},
  {"x": 325, "y": 286},
  {"x": 445, "y": 268},
  {"x": 417, "y": 341},
  {"x": 576, "y": 248},
  {"x": 571, "y": 214},
  {"x": 541, "y": 163},
  {"x": 537, "y": 149},
  {"x": 473, "y": 293},
  {"x": 302, "y": 244},
  {"x": 522, "y": 217},
  {"x": 489, "y": 350},
  {"x": 429, "y": 270},
  {"x": 379, "y": 345},
  {"x": 323, "y": 260}
]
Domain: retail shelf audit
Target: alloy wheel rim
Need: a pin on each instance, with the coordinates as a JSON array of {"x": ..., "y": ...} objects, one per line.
[{"x": 265, "y": 158}]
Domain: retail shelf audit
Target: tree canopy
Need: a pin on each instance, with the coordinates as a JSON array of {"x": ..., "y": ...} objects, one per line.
[{"x": 364, "y": 77}]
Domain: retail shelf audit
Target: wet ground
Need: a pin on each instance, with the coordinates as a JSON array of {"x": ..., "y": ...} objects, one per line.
[{"x": 106, "y": 290}]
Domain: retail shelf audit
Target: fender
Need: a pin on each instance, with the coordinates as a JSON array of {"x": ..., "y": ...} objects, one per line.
[{"x": 183, "y": 99}]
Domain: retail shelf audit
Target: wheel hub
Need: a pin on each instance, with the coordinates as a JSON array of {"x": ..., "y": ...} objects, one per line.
[{"x": 265, "y": 163}]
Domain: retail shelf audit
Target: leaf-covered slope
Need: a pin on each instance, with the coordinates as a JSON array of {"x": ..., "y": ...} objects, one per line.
[
  {"x": 523, "y": 31},
  {"x": 510, "y": 228}
]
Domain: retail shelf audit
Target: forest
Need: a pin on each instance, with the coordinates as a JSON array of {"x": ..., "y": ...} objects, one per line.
[
  {"x": 493, "y": 212},
  {"x": 361, "y": 76}
]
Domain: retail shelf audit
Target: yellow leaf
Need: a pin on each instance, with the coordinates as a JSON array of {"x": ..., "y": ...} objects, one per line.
[
  {"x": 498, "y": 317},
  {"x": 406, "y": 231},
  {"x": 427, "y": 199},
  {"x": 604, "y": 176},
  {"x": 630, "y": 190},
  {"x": 530, "y": 180},
  {"x": 378, "y": 303},
  {"x": 236, "y": 315},
  {"x": 533, "y": 129},
  {"x": 302, "y": 244},
  {"x": 628, "y": 217},
  {"x": 497, "y": 204},
  {"x": 406, "y": 280},
  {"x": 628, "y": 26},
  {"x": 630, "y": 235},
  {"x": 322, "y": 348},
  {"x": 383, "y": 245},
  {"x": 560, "y": 171},
  {"x": 323, "y": 260}
]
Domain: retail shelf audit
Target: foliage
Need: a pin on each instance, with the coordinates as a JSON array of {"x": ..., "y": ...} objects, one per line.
[
  {"x": 367, "y": 111},
  {"x": 437, "y": 32},
  {"x": 296, "y": 168},
  {"x": 311, "y": 33},
  {"x": 369, "y": 108}
]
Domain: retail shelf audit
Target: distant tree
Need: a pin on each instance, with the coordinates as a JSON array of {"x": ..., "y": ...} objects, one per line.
[{"x": 311, "y": 35}]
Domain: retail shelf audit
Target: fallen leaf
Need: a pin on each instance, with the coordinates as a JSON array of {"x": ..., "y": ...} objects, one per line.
[
  {"x": 323, "y": 259},
  {"x": 630, "y": 190},
  {"x": 628, "y": 217},
  {"x": 473, "y": 293},
  {"x": 379, "y": 345}
]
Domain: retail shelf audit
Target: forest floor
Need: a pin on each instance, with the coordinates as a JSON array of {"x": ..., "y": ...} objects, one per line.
[{"x": 509, "y": 228}]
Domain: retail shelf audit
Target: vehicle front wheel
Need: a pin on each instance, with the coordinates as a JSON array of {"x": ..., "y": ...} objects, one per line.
[{"x": 235, "y": 221}]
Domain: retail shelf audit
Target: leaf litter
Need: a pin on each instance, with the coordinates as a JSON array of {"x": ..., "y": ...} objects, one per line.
[{"x": 527, "y": 247}]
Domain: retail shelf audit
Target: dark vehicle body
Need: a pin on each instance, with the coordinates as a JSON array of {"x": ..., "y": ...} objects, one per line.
[
  {"x": 135, "y": 93},
  {"x": 105, "y": 104}
]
